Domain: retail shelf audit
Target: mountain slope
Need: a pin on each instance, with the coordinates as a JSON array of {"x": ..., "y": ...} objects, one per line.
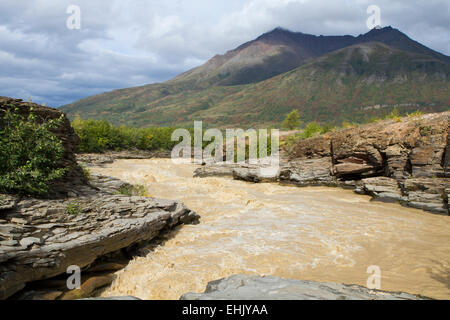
[
  {"x": 352, "y": 84},
  {"x": 396, "y": 39},
  {"x": 326, "y": 85},
  {"x": 270, "y": 54}
]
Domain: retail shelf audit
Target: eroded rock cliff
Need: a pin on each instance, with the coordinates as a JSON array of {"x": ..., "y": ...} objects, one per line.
[{"x": 406, "y": 161}]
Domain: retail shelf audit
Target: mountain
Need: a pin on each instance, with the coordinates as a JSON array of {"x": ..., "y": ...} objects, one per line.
[
  {"x": 327, "y": 78},
  {"x": 271, "y": 54}
]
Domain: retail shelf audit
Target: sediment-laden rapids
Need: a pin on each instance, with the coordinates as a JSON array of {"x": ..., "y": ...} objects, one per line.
[{"x": 321, "y": 234}]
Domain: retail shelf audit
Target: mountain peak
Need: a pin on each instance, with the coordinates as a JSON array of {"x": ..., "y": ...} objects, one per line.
[
  {"x": 277, "y": 32},
  {"x": 279, "y": 29},
  {"x": 397, "y": 39}
]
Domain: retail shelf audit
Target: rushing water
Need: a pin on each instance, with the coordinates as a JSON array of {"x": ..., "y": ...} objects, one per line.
[{"x": 321, "y": 234}]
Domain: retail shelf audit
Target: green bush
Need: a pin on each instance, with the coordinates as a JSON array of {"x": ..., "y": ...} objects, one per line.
[
  {"x": 100, "y": 136},
  {"x": 312, "y": 129},
  {"x": 30, "y": 154},
  {"x": 394, "y": 115},
  {"x": 73, "y": 208},
  {"x": 133, "y": 190},
  {"x": 292, "y": 120}
]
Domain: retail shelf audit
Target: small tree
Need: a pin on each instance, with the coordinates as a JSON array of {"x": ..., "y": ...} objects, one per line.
[{"x": 292, "y": 120}]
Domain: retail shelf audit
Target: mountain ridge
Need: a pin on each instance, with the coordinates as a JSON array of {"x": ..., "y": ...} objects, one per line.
[{"x": 198, "y": 91}]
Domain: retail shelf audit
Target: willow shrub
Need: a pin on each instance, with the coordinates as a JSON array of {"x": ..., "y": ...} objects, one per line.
[
  {"x": 30, "y": 154},
  {"x": 100, "y": 136}
]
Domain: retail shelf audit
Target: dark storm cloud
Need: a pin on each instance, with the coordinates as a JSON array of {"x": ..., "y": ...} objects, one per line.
[{"x": 135, "y": 42}]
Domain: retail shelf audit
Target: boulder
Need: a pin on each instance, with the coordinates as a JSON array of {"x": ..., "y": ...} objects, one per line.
[
  {"x": 382, "y": 188},
  {"x": 309, "y": 172},
  {"x": 247, "y": 287}
]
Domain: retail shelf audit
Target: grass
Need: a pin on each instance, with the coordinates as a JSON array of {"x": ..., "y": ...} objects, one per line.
[
  {"x": 133, "y": 190},
  {"x": 86, "y": 172},
  {"x": 73, "y": 208}
]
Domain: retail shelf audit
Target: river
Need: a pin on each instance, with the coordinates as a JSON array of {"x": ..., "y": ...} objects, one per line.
[{"x": 317, "y": 233}]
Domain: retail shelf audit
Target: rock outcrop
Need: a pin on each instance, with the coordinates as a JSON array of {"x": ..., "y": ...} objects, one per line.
[
  {"x": 100, "y": 159},
  {"x": 246, "y": 287},
  {"x": 78, "y": 223},
  {"x": 40, "y": 239},
  {"x": 406, "y": 161},
  {"x": 74, "y": 175}
]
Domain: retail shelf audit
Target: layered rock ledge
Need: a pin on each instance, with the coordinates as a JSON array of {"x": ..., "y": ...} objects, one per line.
[
  {"x": 40, "y": 239},
  {"x": 407, "y": 162},
  {"x": 101, "y": 159},
  {"x": 246, "y": 287}
]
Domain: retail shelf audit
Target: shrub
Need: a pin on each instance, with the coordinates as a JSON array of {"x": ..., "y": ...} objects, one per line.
[
  {"x": 100, "y": 136},
  {"x": 292, "y": 120},
  {"x": 394, "y": 115},
  {"x": 347, "y": 125},
  {"x": 73, "y": 208},
  {"x": 30, "y": 154},
  {"x": 312, "y": 129},
  {"x": 426, "y": 131},
  {"x": 415, "y": 114},
  {"x": 133, "y": 190}
]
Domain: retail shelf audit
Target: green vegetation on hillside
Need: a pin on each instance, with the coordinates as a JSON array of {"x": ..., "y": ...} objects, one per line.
[
  {"x": 353, "y": 84},
  {"x": 30, "y": 154},
  {"x": 100, "y": 135}
]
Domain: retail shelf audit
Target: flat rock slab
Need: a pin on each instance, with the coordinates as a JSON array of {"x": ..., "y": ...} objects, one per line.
[
  {"x": 41, "y": 238},
  {"x": 247, "y": 287}
]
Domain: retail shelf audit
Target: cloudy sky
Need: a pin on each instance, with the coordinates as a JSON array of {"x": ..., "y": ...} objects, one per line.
[{"x": 124, "y": 43}]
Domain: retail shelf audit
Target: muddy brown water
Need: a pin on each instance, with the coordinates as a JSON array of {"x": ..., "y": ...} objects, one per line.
[{"x": 320, "y": 234}]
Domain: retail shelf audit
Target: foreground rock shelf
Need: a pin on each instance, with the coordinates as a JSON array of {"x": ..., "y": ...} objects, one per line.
[
  {"x": 246, "y": 287},
  {"x": 406, "y": 162},
  {"x": 40, "y": 239}
]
